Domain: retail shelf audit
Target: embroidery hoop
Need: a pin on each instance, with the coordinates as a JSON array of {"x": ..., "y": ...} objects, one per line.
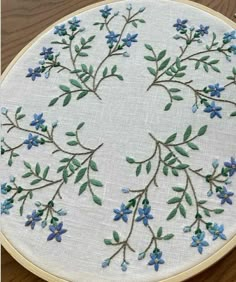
[{"x": 180, "y": 276}]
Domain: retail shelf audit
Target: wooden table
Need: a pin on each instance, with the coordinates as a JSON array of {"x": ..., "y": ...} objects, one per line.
[{"x": 22, "y": 20}]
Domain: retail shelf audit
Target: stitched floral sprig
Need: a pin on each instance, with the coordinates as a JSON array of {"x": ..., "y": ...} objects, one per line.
[
  {"x": 169, "y": 75},
  {"x": 166, "y": 157}
]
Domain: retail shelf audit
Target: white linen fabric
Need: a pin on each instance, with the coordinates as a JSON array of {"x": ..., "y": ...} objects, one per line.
[{"x": 121, "y": 121}]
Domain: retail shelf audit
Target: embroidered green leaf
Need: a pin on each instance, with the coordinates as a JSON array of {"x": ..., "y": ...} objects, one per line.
[
  {"x": 83, "y": 188},
  {"x": 120, "y": 77},
  {"x": 178, "y": 189},
  {"x": 83, "y": 54},
  {"x": 181, "y": 151},
  {"x": 28, "y": 174},
  {"x": 152, "y": 71},
  {"x": 171, "y": 138},
  {"x": 20, "y": 117},
  {"x": 168, "y": 106},
  {"x": 161, "y": 55},
  {"x": 180, "y": 74},
  {"x": 171, "y": 162},
  {"x": 65, "y": 160},
  {"x": 45, "y": 172},
  {"x": 188, "y": 199},
  {"x": 65, "y": 175},
  {"x": 165, "y": 170},
  {"x": 164, "y": 64},
  {"x": 37, "y": 169},
  {"x": 96, "y": 182},
  {"x": 215, "y": 69},
  {"x": 182, "y": 210},
  {"x": 168, "y": 156},
  {"x": 80, "y": 175},
  {"x": 148, "y": 167},
  {"x": 202, "y": 202},
  {"x": 82, "y": 94},
  {"x": 97, "y": 200},
  {"x": 93, "y": 165},
  {"x": 138, "y": 169},
  {"x": 178, "y": 63},
  {"x": 134, "y": 24},
  {"x": 149, "y": 47},
  {"x": 159, "y": 232},
  {"x": 21, "y": 210},
  {"x": 76, "y": 162},
  {"x": 114, "y": 69},
  {"x": 18, "y": 110},
  {"x": 70, "y": 133},
  {"x": 182, "y": 166},
  {"x": 206, "y": 212},
  {"x": 108, "y": 242},
  {"x": 80, "y": 126},
  {"x": 174, "y": 90},
  {"x": 149, "y": 58},
  {"x": 187, "y": 133},
  {"x": 53, "y": 101},
  {"x": 35, "y": 181},
  {"x": 64, "y": 88},
  {"x": 75, "y": 83},
  {"x": 22, "y": 198},
  {"x": 233, "y": 114},
  {"x": 174, "y": 172},
  {"x": 72, "y": 143},
  {"x": 218, "y": 211},
  {"x": 197, "y": 65},
  {"x": 67, "y": 99},
  {"x": 174, "y": 200},
  {"x": 202, "y": 130},
  {"x": 130, "y": 160},
  {"x": 27, "y": 165},
  {"x": 105, "y": 72},
  {"x": 61, "y": 168},
  {"x": 172, "y": 214},
  {"x": 168, "y": 236},
  {"x": 192, "y": 146},
  {"x": 116, "y": 236},
  {"x": 177, "y": 98}
]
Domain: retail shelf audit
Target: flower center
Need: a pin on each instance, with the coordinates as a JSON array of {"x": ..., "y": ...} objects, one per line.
[
  {"x": 198, "y": 242},
  {"x": 156, "y": 260},
  {"x": 226, "y": 196}
]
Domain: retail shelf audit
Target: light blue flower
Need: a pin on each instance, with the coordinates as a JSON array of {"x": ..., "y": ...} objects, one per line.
[
  {"x": 6, "y": 206},
  {"x": 60, "y": 30},
  {"x": 122, "y": 213},
  {"x": 198, "y": 241},
  {"x": 156, "y": 260},
  {"x": 231, "y": 165},
  {"x": 31, "y": 141},
  {"x": 47, "y": 53},
  {"x": 74, "y": 23},
  {"x": 225, "y": 195},
  {"x": 112, "y": 37},
  {"x": 202, "y": 30},
  {"x": 106, "y": 11},
  {"x": 180, "y": 24},
  {"x": 217, "y": 231},
  {"x": 32, "y": 219},
  {"x": 57, "y": 231},
  {"x": 213, "y": 110},
  {"x": 130, "y": 38},
  {"x": 229, "y": 36},
  {"x": 144, "y": 215},
  {"x": 33, "y": 73},
  {"x": 38, "y": 121},
  {"x": 216, "y": 89}
]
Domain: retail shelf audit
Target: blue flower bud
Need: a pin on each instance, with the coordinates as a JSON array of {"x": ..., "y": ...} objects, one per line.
[
  {"x": 126, "y": 54},
  {"x": 142, "y": 9},
  {"x": 47, "y": 74},
  {"x": 62, "y": 212},
  {"x": 215, "y": 164},
  {"x": 12, "y": 178},
  {"x": 37, "y": 204},
  {"x": 176, "y": 37},
  {"x": 141, "y": 256},
  {"x": 187, "y": 229},
  {"x": 116, "y": 14},
  {"x": 44, "y": 223},
  {"x": 125, "y": 190},
  {"x": 194, "y": 108},
  {"x": 106, "y": 263},
  {"x": 4, "y": 110},
  {"x": 228, "y": 181},
  {"x": 129, "y": 7},
  {"x": 209, "y": 193},
  {"x": 124, "y": 266},
  {"x": 54, "y": 124}
]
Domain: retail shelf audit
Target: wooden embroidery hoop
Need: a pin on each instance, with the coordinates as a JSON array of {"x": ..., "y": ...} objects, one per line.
[{"x": 179, "y": 277}]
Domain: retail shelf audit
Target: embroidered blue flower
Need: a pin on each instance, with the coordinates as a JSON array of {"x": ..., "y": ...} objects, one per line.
[
  {"x": 31, "y": 141},
  {"x": 217, "y": 231},
  {"x": 130, "y": 38},
  {"x": 228, "y": 36},
  {"x": 225, "y": 195},
  {"x": 33, "y": 73},
  {"x": 106, "y": 11},
  {"x": 47, "y": 53},
  {"x": 202, "y": 30},
  {"x": 38, "y": 121},
  {"x": 198, "y": 241},
  {"x": 144, "y": 215},
  {"x": 32, "y": 219},
  {"x": 180, "y": 24},
  {"x": 231, "y": 165},
  {"x": 60, "y": 30},
  {"x": 122, "y": 213},
  {"x": 74, "y": 23},
  {"x": 4, "y": 188},
  {"x": 216, "y": 89},
  {"x": 5, "y": 206},
  {"x": 57, "y": 231},
  {"x": 233, "y": 49},
  {"x": 156, "y": 260},
  {"x": 112, "y": 38},
  {"x": 213, "y": 110}
]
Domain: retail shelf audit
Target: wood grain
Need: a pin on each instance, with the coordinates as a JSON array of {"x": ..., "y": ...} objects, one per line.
[{"x": 22, "y": 20}]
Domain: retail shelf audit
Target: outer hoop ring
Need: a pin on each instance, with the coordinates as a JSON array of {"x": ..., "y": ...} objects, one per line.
[{"x": 178, "y": 277}]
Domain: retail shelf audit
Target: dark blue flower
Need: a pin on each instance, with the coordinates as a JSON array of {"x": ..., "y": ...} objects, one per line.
[
  {"x": 202, "y": 30},
  {"x": 57, "y": 231},
  {"x": 122, "y": 213},
  {"x": 156, "y": 260},
  {"x": 233, "y": 49},
  {"x": 215, "y": 89},
  {"x": 33, "y": 73},
  {"x": 231, "y": 165},
  {"x": 198, "y": 241},
  {"x": 32, "y": 219},
  {"x": 4, "y": 188},
  {"x": 214, "y": 110},
  {"x": 130, "y": 38},
  {"x": 144, "y": 215},
  {"x": 60, "y": 30},
  {"x": 31, "y": 141},
  {"x": 225, "y": 195},
  {"x": 74, "y": 23},
  {"x": 180, "y": 24},
  {"x": 228, "y": 36},
  {"x": 5, "y": 206},
  {"x": 112, "y": 38},
  {"x": 217, "y": 231},
  {"x": 47, "y": 52},
  {"x": 106, "y": 11},
  {"x": 38, "y": 121}
]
